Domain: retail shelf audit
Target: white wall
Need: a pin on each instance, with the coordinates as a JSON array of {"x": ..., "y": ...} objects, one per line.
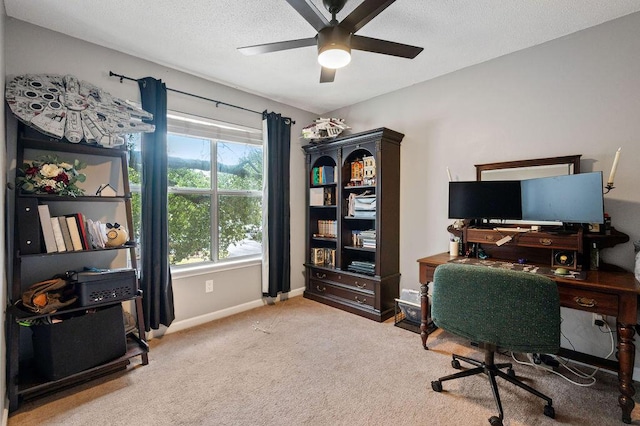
[
  {"x": 576, "y": 95},
  {"x": 31, "y": 49}
]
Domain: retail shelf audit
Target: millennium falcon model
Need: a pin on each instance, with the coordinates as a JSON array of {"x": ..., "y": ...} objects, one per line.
[
  {"x": 324, "y": 128},
  {"x": 63, "y": 107}
]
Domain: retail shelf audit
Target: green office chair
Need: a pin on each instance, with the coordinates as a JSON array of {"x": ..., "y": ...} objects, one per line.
[{"x": 497, "y": 308}]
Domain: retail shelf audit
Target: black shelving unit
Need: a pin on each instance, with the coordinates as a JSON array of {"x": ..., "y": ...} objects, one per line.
[{"x": 23, "y": 381}]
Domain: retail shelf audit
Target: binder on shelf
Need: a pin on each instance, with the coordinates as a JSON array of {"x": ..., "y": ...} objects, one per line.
[
  {"x": 47, "y": 229},
  {"x": 28, "y": 226},
  {"x": 57, "y": 234}
]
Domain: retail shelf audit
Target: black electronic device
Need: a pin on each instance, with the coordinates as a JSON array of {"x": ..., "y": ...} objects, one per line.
[
  {"x": 568, "y": 198},
  {"x": 498, "y": 199}
]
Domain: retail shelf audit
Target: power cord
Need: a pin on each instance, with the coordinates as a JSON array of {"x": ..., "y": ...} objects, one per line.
[{"x": 565, "y": 363}]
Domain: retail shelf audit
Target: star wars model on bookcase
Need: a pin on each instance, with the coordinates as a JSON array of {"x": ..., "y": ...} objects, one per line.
[{"x": 352, "y": 242}]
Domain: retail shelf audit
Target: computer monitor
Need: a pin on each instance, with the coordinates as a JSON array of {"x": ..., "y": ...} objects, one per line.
[
  {"x": 497, "y": 199},
  {"x": 569, "y": 198}
]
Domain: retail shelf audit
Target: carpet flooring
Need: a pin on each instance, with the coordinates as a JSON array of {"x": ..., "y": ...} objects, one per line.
[{"x": 299, "y": 362}]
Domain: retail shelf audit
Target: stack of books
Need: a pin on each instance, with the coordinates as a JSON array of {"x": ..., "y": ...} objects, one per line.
[
  {"x": 368, "y": 238},
  {"x": 327, "y": 229},
  {"x": 361, "y": 267},
  {"x": 323, "y": 174},
  {"x": 71, "y": 232}
]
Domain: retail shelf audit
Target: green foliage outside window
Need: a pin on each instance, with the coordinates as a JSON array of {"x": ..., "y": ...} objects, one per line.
[{"x": 189, "y": 214}]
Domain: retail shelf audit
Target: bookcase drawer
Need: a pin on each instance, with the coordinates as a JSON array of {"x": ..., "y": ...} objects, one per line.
[
  {"x": 355, "y": 281},
  {"x": 326, "y": 289}
]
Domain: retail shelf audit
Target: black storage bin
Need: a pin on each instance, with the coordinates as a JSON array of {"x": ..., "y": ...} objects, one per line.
[
  {"x": 79, "y": 343},
  {"x": 107, "y": 285}
]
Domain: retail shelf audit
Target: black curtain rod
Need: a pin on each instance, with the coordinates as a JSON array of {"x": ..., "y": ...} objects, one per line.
[{"x": 218, "y": 103}]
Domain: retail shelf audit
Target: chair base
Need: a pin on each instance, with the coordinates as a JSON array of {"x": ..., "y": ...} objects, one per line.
[{"x": 492, "y": 370}]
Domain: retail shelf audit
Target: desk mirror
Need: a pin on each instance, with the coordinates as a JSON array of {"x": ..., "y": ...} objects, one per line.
[{"x": 529, "y": 169}]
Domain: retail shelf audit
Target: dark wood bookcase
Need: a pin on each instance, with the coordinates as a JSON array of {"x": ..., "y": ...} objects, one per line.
[
  {"x": 31, "y": 263},
  {"x": 360, "y": 275}
]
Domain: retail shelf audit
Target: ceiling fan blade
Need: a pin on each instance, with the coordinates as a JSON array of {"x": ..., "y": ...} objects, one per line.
[
  {"x": 365, "y": 12},
  {"x": 277, "y": 46},
  {"x": 375, "y": 45},
  {"x": 310, "y": 13},
  {"x": 327, "y": 75}
]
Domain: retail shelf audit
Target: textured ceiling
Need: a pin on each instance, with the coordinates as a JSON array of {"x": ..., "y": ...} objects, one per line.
[{"x": 201, "y": 36}]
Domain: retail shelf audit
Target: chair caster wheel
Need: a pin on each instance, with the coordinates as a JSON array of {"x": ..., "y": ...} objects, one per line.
[
  {"x": 495, "y": 421},
  {"x": 549, "y": 411},
  {"x": 437, "y": 386},
  {"x": 455, "y": 364},
  {"x": 511, "y": 373}
]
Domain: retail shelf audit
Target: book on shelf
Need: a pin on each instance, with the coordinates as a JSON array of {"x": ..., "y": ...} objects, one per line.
[
  {"x": 316, "y": 196},
  {"x": 327, "y": 174},
  {"x": 327, "y": 229},
  {"x": 74, "y": 231},
  {"x": 83, "y": 231},
  {"x": 47, "y": 228},
  {"x": 323, "y": 175},
  {"x": 362, "y": 267},
  {"x": 57, "y": 234},
  {"x": 65, "y": 232},
  {"x": 317, "y": 256},
  {"x": 323, "y": 256},
  {"x": 329, "y": 197}
]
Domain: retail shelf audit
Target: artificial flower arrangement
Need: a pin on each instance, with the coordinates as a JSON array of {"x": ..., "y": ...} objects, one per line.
[{"x": 49, "y": 175}]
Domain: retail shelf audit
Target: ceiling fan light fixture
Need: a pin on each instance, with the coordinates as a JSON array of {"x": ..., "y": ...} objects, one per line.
[
  {"x": 334, "y": 47},
  {"x": 334, "y": 57}
]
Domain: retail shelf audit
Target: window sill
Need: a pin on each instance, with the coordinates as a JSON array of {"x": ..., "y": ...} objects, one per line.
[{"x": 185, "y": 271}]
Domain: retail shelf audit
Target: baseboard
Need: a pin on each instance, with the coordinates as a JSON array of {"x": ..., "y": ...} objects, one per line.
[
  {"x": 5, "y": 412},
  {"x": 212, "y": 316}
]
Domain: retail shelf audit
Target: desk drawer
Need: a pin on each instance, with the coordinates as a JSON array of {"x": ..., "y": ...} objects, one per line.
[
  {"x": 527, "y": 239},
  {"x": 545, "y": 240},
  {"x": 592, "y": 301},
  {"x": 324, "y": 289},
  {"x": 357, "y": 282}
]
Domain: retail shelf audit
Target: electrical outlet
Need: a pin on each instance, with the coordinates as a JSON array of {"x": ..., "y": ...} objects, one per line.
[
  {"x": 598, "y": 320},
  {"x": 208, "y": 286}
]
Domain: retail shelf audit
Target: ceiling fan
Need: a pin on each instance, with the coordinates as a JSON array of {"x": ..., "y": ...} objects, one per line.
[{"x": 336, "y": 39}]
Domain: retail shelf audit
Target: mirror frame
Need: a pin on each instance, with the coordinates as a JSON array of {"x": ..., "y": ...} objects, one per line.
[{"x": 569, "y": 160}]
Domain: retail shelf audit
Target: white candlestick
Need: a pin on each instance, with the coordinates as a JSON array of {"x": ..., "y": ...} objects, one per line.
[
  {"x": 614, "y": 167},
  {"x": 449, "y": 174}
]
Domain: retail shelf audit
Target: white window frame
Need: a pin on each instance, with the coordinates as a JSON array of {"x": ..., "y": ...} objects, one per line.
[{"x": 213, "y": 130}]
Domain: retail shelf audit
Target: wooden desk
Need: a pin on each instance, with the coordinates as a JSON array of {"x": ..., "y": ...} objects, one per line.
[{"x": 603, "y": 292}]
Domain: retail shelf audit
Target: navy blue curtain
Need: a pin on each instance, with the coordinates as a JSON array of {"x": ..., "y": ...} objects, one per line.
[
  {"x": 155, "y": 275},
  {"x": 278, "y": 213}
]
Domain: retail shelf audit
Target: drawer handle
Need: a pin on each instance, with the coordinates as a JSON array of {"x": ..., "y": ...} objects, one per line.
[
  {"x": 586, "y": 303},
  {"x": 321, "y": 288},
  {"x": 361, "y": 285},
  {"x": 321, "y": 276},
  {"x": 546, "y": 241},
  {"x": 361, "y": 301},
  {"x": 489, "y": 237}
]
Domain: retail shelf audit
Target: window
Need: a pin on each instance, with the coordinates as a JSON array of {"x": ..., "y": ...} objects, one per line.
[{"x": 215, "y": 213}]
